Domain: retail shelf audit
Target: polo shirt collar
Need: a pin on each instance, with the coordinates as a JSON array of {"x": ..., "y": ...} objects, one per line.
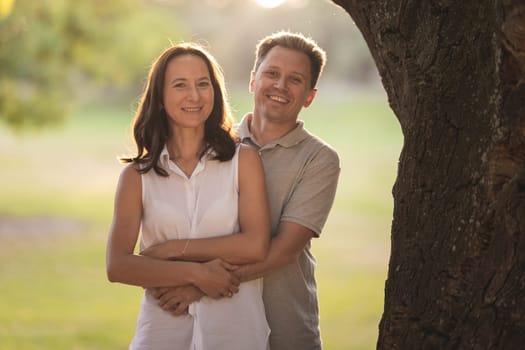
[{"x": 291, "y": 139}]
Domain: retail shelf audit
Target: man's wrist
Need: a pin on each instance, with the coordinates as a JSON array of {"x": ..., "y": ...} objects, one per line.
[
  {"x": 246, "y": 273},
  {"x": 193, "y": 276}
]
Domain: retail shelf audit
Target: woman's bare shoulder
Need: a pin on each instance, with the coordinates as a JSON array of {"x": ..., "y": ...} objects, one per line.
[
  {"x": 248, "y": 152},
  {"x": 130, "y": 174}
]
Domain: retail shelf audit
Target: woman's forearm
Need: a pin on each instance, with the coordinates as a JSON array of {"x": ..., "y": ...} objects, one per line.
[
  {"x": 214, "y": 278},
  {"x": 239, "y": 248},
  {"x": 147, "y": 272},
  {"x": 250, "y": 245}
]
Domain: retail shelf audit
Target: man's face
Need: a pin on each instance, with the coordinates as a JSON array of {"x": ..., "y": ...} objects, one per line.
[{"x": 281, "y": 85}]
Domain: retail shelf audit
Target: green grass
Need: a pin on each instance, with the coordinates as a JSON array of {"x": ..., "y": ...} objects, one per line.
[
  {"x": 53, "y": 286},
  {"x": 55, "y": 296}
]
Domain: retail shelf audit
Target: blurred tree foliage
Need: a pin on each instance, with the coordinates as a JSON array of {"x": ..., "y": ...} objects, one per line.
[
  {"x": 233, "y": 27},
  {"x": 55, "y": 52},
  {"x": 50, "y": 48},
  {"x": 5, "y": 7}
]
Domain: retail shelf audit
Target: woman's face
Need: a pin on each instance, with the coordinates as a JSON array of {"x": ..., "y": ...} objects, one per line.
[{"x": 188, "y": 91}]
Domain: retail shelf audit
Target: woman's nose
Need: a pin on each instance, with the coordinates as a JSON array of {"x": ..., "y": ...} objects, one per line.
[{"x": 194, "y": 93}]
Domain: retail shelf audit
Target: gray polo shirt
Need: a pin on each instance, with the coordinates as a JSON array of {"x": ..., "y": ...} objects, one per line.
[{"x": 301, "y": 179}]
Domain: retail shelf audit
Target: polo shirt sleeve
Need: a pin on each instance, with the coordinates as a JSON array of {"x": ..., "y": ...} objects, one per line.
[{"x": 314, "y": 193}]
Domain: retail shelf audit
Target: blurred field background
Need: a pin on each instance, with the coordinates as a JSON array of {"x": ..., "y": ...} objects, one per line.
[{"x": 59, "y": 169}]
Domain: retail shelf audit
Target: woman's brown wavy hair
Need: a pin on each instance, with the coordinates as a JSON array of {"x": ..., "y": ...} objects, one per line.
[{"x": 151, "y": 130}]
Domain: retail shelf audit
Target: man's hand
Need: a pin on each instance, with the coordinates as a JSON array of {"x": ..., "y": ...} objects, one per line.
[
  {"x": 284, "y": 249},
  {"x": 176, "y": 300},
  {"x": 216, "y": 279}
]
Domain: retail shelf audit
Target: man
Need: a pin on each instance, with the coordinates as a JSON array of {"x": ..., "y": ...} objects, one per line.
[{"x": 301, "y": 178}]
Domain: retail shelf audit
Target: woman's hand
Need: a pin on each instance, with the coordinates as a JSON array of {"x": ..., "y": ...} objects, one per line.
[
  {"x": 176, "y": 300},
  {"x": 216, "y": 279}
]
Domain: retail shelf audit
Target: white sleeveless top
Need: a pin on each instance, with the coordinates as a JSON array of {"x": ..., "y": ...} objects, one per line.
[{"x": 203, "y": 205}]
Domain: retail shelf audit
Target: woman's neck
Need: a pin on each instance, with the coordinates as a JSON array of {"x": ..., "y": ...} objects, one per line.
[{"x": 186, "y": 144}]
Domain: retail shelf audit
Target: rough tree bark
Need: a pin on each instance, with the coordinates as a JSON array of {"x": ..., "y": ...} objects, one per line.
[{"x": 454, "y": 73}]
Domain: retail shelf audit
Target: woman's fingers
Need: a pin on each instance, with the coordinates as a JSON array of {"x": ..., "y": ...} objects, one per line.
[
  {"x": 230, "y": 267},
  {"x": 179, "y": 309},
  {"x": 157, "y": 292}
]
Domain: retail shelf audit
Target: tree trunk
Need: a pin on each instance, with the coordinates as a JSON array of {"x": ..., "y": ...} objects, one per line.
[{"x": 454, "y": 72}]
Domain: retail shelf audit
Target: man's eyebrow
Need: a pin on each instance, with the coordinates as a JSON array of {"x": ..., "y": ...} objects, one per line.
[{"x": 278, "y": 68}]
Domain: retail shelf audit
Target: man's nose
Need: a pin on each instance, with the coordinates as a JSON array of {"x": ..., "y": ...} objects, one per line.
[{"x": 280, "y": 83}]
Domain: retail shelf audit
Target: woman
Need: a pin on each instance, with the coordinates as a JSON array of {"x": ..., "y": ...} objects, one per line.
[{"x": 192, "y": 183}]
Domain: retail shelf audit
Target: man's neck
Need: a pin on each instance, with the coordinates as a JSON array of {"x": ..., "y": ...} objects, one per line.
[{"x": 264, "y": 131}]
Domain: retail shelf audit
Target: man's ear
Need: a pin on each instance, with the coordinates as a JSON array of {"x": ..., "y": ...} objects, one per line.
[
  {"x": 252, "y": 81},
  {"x": 310, "y": 98}
]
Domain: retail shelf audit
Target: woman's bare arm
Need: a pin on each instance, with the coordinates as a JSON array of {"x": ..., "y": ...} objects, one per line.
[
  {"x": 250, "y": 245},
  {"x": 123, "y": 266}
]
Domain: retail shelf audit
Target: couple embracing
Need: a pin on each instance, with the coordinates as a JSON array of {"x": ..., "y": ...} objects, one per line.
[{"x": 226, "y": 214}]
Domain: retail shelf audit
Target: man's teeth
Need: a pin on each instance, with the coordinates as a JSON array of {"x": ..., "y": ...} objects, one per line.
[{"x": 278, "y": 99}]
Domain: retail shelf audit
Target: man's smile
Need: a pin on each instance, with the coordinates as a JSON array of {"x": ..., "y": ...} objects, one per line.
[{"x": 279, "y": 99}]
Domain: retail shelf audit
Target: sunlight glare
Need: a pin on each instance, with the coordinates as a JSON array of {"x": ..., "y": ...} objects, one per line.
[
  {"x": 270, "y": 3},
  {"x": 5, "y": 8}
]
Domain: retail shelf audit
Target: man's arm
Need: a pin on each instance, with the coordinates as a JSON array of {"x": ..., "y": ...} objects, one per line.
[
  {"x": 284, "y": 249},
  {"x": 302, "y": 218}
]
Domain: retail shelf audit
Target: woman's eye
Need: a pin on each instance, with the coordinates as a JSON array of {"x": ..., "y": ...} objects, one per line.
[
  {"x": 204, "y": 84},
  {"x": 179, "y": 85}
]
